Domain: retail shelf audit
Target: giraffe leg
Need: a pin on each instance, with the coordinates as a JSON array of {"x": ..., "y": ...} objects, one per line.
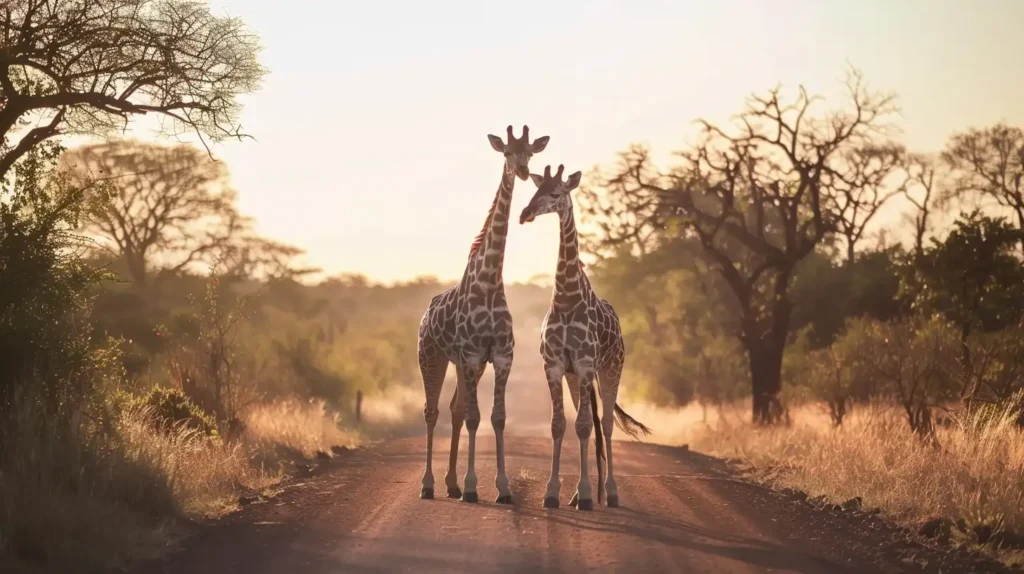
[
  {"x": 458, "y": 410},
  {"x": 554, "y": 375},
  {"x": 584, "y": 426},
  {"x": 502, "y": 367},
  {"x": 609, "y": 385},
  {"x": 472, "y": 369},
  {"x": 573, "y": 382},
  {"x": 433, "y": 365}
]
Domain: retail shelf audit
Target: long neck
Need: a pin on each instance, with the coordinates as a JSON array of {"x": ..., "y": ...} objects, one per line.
[
  {"x": 570, "y": 283},
  {"x": 489, "y": 246}
]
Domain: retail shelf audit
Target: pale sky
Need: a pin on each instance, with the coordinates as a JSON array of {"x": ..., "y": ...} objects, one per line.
[{"x": 371, "y": 149}]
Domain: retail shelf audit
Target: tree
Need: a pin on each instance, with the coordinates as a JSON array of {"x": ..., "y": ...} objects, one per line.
[
  {"x": 172, "y": 208},
  {"x": 973, "y": 277},
  {"x": 758, "y": 199},
  {"x": 862, "y": 189},
  {"x": 923, "y": 190},
  {"x": 86, "y": 67},
  {"x": 989, "y": 162}
]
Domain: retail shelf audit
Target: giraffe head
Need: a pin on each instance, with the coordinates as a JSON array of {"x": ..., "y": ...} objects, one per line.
[
  {"x": 552, "y": 193},
  {"x": 518, "y": 151}
]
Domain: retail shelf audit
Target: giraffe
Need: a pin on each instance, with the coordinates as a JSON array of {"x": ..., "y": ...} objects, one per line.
[
  {"x": 582, "y": 341},
  {"x": 470, "y": 325}
]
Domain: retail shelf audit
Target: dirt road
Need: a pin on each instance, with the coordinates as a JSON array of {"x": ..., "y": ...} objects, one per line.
[{"x": 681, "y": 512}]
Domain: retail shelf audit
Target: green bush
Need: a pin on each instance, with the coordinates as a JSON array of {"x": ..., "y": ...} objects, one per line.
[{"x": 172, "y": 409}]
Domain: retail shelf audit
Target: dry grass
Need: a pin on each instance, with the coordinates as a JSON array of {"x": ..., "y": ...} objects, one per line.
[
  {"x": 305, "y": 427},
  {"x": 90, "y": 497},
  {"x": 975, "y": 473}
]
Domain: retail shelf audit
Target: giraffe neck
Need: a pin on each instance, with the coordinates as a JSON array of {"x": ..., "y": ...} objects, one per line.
[
  {"x": 571, "y": 286},
  {"x": 489, "y": 246}
]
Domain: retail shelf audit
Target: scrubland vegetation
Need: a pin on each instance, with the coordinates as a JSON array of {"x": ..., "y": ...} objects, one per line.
[
  {"x": 162, "y": 362},
  {"x": 883, "y": 361}
]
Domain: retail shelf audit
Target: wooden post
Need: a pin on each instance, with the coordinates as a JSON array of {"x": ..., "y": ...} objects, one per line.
[{"x": 359, "y": 406}]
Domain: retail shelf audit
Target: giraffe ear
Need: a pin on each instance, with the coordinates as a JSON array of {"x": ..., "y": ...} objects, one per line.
[
  {"x": 573, "y": 181},
  {"x": 539, "y": 144},
  {"x": 496, "y": 143},
  {"x": 537, "y": 179}
]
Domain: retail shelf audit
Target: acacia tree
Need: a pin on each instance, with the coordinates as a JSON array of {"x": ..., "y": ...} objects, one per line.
[
  {"x": 172, "y": 207},
  {"x": 989, "y": 162},
  {"x": 758, "y": 198},
  {"x": 86, "y": 67}
]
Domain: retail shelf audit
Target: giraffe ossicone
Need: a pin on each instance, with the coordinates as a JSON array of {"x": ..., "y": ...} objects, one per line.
[
  {"x": 581, "y": 340},
  {"x": 470, "y": 325}
]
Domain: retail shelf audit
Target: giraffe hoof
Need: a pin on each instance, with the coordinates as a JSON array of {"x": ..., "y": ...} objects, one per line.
[
  {"x": 507, "y": 499},
  {"x": 427, "y": 493},
  {"x": 469, "y": 497},
  {"x": 613, "y": 501},
  {"x": 585, "y": 504},
  {"x": 551, "y": 502},
  {"x": 575, "y": 499},
  {"x": 454, "y": 492}
]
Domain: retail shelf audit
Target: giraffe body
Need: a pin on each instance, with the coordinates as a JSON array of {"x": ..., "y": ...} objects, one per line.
[
  {"x": 470, "y": 325},
  {"x": 581, "y": 340}
]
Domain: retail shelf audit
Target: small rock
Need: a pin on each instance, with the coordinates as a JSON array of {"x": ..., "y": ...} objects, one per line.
[
  {"x": 321, "y": 455},
  {"x": 685, "y": 448},
  {"x": 304, "y": 468},
  {"x": 247, "y": 499},
  {"x": 837, "y": 508},
  {"x": 339, "y": 449},
  {"x": 855, "y": 503},
  {"x": 934, "y": 528}
]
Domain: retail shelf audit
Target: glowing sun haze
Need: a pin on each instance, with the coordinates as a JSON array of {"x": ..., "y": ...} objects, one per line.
[{"x": 371, "y": 127}]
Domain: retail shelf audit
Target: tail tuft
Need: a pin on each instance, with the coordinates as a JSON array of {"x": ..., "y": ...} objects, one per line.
[
  {"x": 630, "y": 425},
  {"x": 599, "y": 445}
]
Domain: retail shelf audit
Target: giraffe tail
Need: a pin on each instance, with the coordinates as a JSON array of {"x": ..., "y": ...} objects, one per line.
[
  {"x": 629, "y": 425},
  {"x": 598, "y": 444}
]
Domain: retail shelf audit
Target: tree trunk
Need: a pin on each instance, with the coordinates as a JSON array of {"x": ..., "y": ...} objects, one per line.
[
  {"x": 764, "y": 352},
  {"x": 766, "y": 378}
]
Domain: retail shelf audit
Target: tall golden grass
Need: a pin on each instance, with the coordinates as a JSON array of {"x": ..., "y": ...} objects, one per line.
[
  {"x": 972, "y": 472},
  {"x": 89, "y": 496}
]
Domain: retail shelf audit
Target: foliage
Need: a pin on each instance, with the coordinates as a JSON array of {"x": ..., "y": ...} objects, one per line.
[
  {"x": 44, "y": 303},
  {"x": 759, "y": 198},
  {"x": 988, "y": 164},
  {"x": 86, "y": 67},
  {"x": 171, "y": 409},
  {"x": 172, "y": 209}
]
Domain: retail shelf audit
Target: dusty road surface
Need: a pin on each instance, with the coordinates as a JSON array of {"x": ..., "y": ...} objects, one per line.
[{"x": 681, "y": 512}]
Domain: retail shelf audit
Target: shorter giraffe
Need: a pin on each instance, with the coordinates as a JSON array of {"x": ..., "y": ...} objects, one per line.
[{"x": 582, "y": 341}]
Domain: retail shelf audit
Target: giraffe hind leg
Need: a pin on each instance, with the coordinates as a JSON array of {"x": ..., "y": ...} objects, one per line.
[{"x": 433, "y": 366}]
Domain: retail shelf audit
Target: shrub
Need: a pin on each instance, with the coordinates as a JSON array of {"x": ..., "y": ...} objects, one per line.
[{"x": 171, "y": 409}]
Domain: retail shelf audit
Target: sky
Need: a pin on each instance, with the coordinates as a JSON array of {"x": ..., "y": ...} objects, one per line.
[{"x": 371, "y": 150}]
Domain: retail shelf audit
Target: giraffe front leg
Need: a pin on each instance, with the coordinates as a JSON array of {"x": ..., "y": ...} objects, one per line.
[
  {"x": 502, "y": 367},
  {"x": 458, "y": 410},
  {"x": 584, "y": 426},
  {"x": 554, "y": 375},
  {"x": 472, "y": 369}
]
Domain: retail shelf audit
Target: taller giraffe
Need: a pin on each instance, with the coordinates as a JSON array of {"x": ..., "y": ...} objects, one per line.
[
  {"x": 470, "y": 325},
  {"x": 582, "y": 341}
]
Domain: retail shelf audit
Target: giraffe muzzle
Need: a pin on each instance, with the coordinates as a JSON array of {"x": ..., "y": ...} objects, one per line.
[{"x": 526, "y": 217}]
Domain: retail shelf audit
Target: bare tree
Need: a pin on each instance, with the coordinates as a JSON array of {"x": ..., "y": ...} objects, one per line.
[
  {"x": 86, "y": 67},
  {"x": 922, "y": 190},
  {"x": 989, "y": 162},
  {"x": 861, "y": 189},
  {"x": 171, "y": 208},
  {"x": 758, "y": 200}
]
